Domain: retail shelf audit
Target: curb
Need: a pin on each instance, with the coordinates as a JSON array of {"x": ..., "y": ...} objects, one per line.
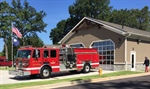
[{"x": 72, "y": 83}]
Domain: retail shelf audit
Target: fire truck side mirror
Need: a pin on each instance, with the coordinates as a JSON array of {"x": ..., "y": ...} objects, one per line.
[
  {"x": 36, "y": 53},
  {"x": 15, "y": 57}
]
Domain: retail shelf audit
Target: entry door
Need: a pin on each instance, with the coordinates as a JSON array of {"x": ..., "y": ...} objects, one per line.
[{"x": 133, "y": 60}]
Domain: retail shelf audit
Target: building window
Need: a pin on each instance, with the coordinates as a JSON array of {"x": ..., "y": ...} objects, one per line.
[
  {"x": 106, "y": 51},
  {"x": 77, "y": 45}
]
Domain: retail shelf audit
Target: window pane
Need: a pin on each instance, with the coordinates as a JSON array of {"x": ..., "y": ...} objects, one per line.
[
  {"x": 104, "y": 43},
  {"x": 34, "y": 54},
  {"x": 112, "y": 47},
  {"x": 112, "y": 57},
  {"x": 45, "y": 53},
  {"x": 76, "y": 45},
  {"x": 108, "y": 57},
  {"x": 112, "y": 52},
  {"x": 53, "y": 53},
  {"x": 104, "y": 47},
  {"x": 104, "y": 52},
  {"x": 100, "y": 43},
  {"x": 108, "y": 42},
  {"x": 109, "y": 47},
  {"x": 96, "y": 44},
  {"x": 100, "y": 48},
  {"x": 108, "y": 52}
]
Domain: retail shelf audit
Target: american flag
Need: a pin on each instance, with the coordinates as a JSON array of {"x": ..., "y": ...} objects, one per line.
[{"x": 16, "y": 31}]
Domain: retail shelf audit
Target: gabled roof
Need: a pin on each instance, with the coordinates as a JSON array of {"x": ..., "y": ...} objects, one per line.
[{"x": 125, "y": 31}]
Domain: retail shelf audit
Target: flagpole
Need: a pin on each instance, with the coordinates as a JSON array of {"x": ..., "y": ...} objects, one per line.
[{"x": 12, "y": 46}]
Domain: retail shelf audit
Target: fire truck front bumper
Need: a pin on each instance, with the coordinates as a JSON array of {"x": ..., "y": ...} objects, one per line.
[{"x": 19, "y": 72}]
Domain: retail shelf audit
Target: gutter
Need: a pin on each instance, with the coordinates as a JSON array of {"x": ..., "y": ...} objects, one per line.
[{"x": 128, "y": 34}]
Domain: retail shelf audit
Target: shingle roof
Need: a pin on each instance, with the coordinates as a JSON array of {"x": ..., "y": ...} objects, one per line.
[{"x": 125, "y": 28}]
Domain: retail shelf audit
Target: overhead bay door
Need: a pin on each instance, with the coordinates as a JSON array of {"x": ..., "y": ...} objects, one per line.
[{"x": 106, "y": 53}]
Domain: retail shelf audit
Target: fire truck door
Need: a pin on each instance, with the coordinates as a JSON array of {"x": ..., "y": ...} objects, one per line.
[{"x": 36, "y": 61}]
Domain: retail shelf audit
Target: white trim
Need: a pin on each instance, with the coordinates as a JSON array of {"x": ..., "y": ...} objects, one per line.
[
  {"x": 125, "y": 53},
  {"x": 94, "y": 63},
  {"x": 134, "y": 53},
  {"x": 90, "y": 64},
  {"x": 80, "y": 64},
  {"x": 55, "y": 67},
  {"x": 35, "y": 68}
]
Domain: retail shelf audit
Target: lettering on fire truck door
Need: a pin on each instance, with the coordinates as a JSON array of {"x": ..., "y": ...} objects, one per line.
[{"x": 36, "y": 59}]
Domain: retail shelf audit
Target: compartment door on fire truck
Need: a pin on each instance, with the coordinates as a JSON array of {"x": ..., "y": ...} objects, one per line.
[{"x": 54, "y": 59}]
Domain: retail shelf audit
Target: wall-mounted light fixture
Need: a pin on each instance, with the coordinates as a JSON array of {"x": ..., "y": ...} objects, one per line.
[
  {"x": 138, "y": 41},
  {"x": 119, "y": 40}
]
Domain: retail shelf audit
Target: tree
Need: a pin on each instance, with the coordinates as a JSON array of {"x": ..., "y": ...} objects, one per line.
[
  {"x": 57, "y": 33},
  {"x": 143, "y": 18},
  {"x": 120, "y": 17},
  {"x": 134, "y": 18},
  {"x": 34, "y": 41},
  {"x": 99, "y": 9},
  {"x": 27, "y": 19},
  {"x": 5, "y": 24}
]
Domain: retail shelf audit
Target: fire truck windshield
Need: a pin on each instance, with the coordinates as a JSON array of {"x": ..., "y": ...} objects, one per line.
[{"x": 23, "y": 54}]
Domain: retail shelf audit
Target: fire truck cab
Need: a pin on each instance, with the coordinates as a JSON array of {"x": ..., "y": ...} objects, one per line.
[{"x": 43, "y": 61}]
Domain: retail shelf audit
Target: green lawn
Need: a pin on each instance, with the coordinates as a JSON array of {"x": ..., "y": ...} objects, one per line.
[
  {"x": 6, "y": 68},
  {"x": 19, "y": 85}
]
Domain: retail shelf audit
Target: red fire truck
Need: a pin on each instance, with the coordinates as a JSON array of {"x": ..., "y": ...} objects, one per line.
[{"x": 45, "y": 60}]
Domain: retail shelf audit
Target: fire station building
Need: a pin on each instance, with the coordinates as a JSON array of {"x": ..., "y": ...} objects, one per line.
[{"x": 120, "y": 47}]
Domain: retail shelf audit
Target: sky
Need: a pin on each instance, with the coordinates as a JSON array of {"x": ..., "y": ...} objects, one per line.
[{"x": 57, "y": 10}]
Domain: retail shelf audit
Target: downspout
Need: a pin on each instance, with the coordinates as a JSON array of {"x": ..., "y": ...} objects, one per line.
[{"x": 129, "y": 34}]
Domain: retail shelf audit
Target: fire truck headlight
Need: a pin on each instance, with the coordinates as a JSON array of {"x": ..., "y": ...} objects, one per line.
[{"x": 25, "y": 64}]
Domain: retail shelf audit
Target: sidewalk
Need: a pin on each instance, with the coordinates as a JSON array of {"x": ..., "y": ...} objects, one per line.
[{"x": 72, "y": 83}]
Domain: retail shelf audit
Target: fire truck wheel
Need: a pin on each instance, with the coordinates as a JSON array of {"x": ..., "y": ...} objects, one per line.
[
  {"x": 45, "y": 72},
  {"x": 86, "y": 68}
]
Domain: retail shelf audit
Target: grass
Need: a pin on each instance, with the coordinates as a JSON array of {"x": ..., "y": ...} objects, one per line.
[
  {"x": 20, "y": 85},
  {"x": 7, "y": 68}
]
